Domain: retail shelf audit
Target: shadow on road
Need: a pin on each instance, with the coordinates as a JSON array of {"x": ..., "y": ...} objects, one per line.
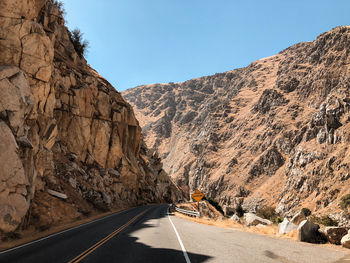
[{"x": 126, "y": 248}]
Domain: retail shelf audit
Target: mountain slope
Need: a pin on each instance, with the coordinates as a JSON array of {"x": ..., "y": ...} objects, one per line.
[
  {"x": 69, "y": 143},
  {"x": 274, "y": 133}
]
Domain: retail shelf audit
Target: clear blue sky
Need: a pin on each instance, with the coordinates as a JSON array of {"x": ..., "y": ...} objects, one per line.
[{"x": 134, "y": 42}]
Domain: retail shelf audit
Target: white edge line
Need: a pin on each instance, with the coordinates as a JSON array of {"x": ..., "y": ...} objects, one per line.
[
  {"x": 179, "y": 239},
  {"x": 59, "y": 233}
]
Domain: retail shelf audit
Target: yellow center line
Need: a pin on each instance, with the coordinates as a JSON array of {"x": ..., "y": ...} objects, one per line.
[{"x": 104, "y": 240}]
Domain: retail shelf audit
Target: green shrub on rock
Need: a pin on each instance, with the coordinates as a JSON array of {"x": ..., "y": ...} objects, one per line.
[
  {"x": 345, "y": 202},
  {"x": 279, "y": 220},
  {"x": 79, "y": 44},
  {"x": 324, "y": 220}
]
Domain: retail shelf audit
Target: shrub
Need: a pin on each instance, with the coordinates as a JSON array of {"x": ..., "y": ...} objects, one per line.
[
  {"x": 80, "y": 45},
  {"x": 324, "y": 220},
  {"x": 267, "y": 212},
  {"x": 60, "y": 6},
  {"x": 240, "y": 211},
  {"x": 279, "y": 220},
  {"x": 306, "y": 211},
  {"x": 345, "y": 202}
]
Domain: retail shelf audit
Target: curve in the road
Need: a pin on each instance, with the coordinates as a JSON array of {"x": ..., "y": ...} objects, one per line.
[{"x": 153, "y": 234}]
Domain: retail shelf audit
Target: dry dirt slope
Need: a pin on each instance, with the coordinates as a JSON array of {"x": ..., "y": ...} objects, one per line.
[{"x": 274, "y": 133}]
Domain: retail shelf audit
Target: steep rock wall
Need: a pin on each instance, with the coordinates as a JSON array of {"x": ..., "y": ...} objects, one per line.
[{"x": 64, "y": 128}]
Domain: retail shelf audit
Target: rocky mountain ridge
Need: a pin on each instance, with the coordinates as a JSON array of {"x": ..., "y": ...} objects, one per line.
[
  {"x": 69, "y": 143},
  {"x": 275, "y": 133}
]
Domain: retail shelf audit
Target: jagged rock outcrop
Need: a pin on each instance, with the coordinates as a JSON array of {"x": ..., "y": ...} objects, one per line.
[
  {"x": 279, "y": 128},
  {"x": 64, "y": 128}
]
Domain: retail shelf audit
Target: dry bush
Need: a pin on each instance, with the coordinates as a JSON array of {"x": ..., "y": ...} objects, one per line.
[{"x": 267, "y": 212}]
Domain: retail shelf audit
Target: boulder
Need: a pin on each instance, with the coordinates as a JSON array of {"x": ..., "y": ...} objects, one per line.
[
  {"x": 57, "y": 194},
  {"x": 308, "y": 232},
  {"x": 335, "y": 234},
  {"x": 286, "y": 226},
  {"x": 228, "y": 210},
  {"x": 345, "y": 241},
  {"x": 251, "y": 219},
  {"x": 235, "y": 218},
  {"x": 298, "y": 218}
]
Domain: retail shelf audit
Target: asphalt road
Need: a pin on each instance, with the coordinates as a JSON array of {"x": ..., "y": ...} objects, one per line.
[{"x": 149, "y": 234}]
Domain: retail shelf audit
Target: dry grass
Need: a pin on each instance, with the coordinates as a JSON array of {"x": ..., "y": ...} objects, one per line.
[
  {"x": 271, "y": 230},
  {"x": 210, "y": 222}
]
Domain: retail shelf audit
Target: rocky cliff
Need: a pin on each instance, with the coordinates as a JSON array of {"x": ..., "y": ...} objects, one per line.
[
  {"x": 69, "y": 143},
  {"x": 274, "y": 133}
]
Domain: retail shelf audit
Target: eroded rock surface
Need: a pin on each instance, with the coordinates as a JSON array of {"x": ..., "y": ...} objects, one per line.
[
  {"x": 274, "y": 133},
  {"x": 64, "y": 129}
]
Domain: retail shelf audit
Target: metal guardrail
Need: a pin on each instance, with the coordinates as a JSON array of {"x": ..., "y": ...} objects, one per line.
[{"x": 187, "y": 212}]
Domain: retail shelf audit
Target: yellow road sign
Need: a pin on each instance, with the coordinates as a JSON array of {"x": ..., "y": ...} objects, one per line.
[{"x": 197, "y": 195}]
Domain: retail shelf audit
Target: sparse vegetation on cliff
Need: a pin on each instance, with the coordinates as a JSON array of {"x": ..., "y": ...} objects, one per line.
[
  {"x": 324, "y": 220},
  {"x": 80, "y": 45},
  {"x": 345, "y": 202},
  {"x": 60, "y": 6},
  {"x": 283, "y": 119}
]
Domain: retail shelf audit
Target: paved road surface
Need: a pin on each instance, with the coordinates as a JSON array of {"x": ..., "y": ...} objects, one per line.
[{"x": 149, "y": 234}]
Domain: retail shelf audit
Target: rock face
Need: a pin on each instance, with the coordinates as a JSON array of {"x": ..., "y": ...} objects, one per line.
[
  {"x": 64, "y": 128},
  {"x": 251, "y": 219},
  {"x": 274, "y": 133},
  {"x": 308, "y": 232},
  {"x": 286, "y": 226}
]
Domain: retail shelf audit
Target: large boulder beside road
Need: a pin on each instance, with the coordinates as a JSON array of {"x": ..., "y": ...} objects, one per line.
[
  {"x": 251, "y": 219},
  {"x": 335, "y": 234},
  {"x": 308, "y": 232},
  {"x": 345, "y": 241},
  {"x": 286, "y": 226}
]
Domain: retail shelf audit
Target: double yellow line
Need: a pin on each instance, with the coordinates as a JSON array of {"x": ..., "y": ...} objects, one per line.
[{"x": 104, "y": 240}]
